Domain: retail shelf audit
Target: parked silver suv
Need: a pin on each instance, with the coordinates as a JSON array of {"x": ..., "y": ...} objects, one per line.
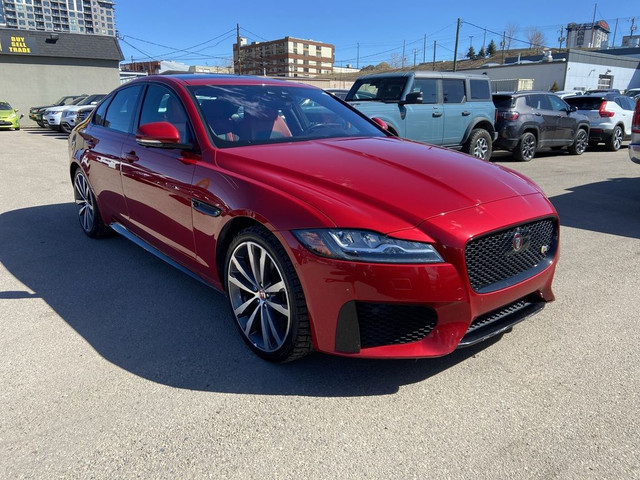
[{"x": 609, "y": 114}]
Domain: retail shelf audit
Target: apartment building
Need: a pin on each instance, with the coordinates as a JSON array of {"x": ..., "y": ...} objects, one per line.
[
  {"x": 72, "y": 16},
  {"x": 286, "y": 57}
]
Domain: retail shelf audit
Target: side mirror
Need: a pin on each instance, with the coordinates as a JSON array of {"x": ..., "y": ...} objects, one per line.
[
  {"x": 413, "y": 97},
  {"x": 159, "y": 135},
  {"x": 381, "y": 123}
]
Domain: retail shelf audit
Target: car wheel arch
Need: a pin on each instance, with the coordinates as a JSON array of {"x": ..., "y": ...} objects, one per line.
[{"x": 483, "y": 124}]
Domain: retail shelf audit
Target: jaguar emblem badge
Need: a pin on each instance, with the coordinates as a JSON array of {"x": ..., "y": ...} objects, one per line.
[{"x": 517, "y": 242}]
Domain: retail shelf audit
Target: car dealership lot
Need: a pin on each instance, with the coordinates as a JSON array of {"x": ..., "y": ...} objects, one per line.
[{"x": 114, "y": 364}]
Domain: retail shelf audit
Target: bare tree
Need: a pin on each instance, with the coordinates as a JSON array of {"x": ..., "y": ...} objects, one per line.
[
  {"x": 536, "y": 38},
  {"x": 510, "y": 32}
]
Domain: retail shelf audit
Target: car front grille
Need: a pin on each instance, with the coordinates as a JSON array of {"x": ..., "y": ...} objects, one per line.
[
  {"x": 386, "y": 324},
  {"x": 504, "y": 258},
  {"x": 80, "y": 116}
]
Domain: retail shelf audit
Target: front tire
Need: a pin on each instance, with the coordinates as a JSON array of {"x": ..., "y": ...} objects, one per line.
[
  {"x": 526, "y": 148},
  {"x": 580, "y": 143},
  {"x": 479, "y": 144},
  {"x": 88, "y": 213},
  {"x": 266, "y": 297},
  {"x": 615, "y": 141}
]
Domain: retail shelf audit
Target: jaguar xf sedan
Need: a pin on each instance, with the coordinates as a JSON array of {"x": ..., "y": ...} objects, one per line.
[{"x": 324, "y": 231}]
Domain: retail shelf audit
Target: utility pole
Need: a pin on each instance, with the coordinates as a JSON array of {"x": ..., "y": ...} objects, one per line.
[
  {"x": 561, "y": 38},
  {"x": 239, "y": 72},
  {"x": 434, "y": 55},
  {"x": 502, "y": 44},
  {"x": 403, "y": 44},
  {"x": 593, "y": 26},
  {"x": 415, "y": 52},
  {"x": 484, "y": 38},
  {"x": 424, "y": 49},
  {"x": 455, "y": 50},
  {"x": 615, "y": 31},
  {"x": 633, "y": 26},
  {"x": 358, "y": 57}
]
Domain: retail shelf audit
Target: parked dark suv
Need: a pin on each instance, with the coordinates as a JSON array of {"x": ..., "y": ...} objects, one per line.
[{"x": 529, "y": 120}]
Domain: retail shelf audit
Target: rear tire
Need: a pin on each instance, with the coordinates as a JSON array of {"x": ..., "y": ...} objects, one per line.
[
  {"x": 615, "y": 140},
  {"x": 266, "y": 297},
  {"x": 88, "y": 212},
  {"x": 580, "y": 143},
  {"x": 526, "y": 148},
  {"x": 479, "y": 144}
]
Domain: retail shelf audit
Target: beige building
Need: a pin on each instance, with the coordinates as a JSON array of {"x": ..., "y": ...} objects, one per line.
[
  {"x": 286, "y": 57},
  {"x": 588, "y": 35}
]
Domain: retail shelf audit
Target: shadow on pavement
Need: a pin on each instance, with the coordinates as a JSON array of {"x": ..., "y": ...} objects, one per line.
[
  {"x": 612, "y": 206},
  {"x": 156, "y": 322}
]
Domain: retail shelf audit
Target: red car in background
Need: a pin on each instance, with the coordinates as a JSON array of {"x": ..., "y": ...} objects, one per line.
[{"x": 324, "y": 231}]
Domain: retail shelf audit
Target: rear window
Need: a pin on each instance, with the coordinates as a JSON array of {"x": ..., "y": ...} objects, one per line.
[
  {"x": 503, "y": 101},
  {"x": 584, "y": 103}
]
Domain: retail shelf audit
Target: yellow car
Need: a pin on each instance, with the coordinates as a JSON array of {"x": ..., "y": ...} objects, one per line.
[{"x": 9, "y": 117}]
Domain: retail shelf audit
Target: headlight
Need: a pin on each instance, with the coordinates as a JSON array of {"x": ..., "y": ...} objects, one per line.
[
  {"x": 13, "y": 115},
  {"x": 366, "y": 246}
]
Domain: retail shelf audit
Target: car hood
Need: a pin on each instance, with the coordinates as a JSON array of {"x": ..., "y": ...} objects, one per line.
[
  {"x": 5, "y": 113},
  {"x": 57, "y": 109},
  {"x": 392, "y": 183}
]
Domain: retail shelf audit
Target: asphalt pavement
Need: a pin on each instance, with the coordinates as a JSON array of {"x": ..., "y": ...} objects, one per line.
[{"x": 115, "y": 365}]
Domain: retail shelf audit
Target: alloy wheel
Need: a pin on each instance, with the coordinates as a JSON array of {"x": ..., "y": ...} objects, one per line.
[
  {"x": 259, "y": 297},
  {"x": 85, "y": 203},
  {"x": 481, "y": 148}
]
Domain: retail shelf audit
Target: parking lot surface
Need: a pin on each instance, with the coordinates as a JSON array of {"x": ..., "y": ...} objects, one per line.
[{"x": 115, "y": 365}]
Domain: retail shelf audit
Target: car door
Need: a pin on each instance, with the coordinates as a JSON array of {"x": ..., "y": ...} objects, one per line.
[
  {"x": 425, "y": 121},
  {"x": 103, "y": 138},
  {"x": 545, "y": 117},
  {"x": 455, "y": 111},
  {"x": 566, "y": 123},
  {"x": 157, "y": 181}
]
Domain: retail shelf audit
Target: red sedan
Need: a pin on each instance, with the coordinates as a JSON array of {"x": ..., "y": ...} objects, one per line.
[{"x": 324, "y": 231}]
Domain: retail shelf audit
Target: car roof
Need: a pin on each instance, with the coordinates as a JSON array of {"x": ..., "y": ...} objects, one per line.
[
  {"x": 219, "y": 79},
  {"x": 520, "y": 93},
  {"x": 424, "y": 74}
]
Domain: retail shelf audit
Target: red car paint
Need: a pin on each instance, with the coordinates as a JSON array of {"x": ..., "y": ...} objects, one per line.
[{"x": 406, "y": 190}]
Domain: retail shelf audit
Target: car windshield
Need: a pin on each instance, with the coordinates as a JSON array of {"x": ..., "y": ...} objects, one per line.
[
  {"x": 5, "y": 106},
  {"x": 258, "y": 114},
  {"x": 386, "y": 89}
]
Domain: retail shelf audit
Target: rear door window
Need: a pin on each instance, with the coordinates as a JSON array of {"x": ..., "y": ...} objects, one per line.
[
  {"x": 480, "y": 90},
  {"x": 453, "y": 90}
]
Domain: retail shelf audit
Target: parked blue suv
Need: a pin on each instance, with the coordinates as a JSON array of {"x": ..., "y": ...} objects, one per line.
[{"x": 450, "y": 109}]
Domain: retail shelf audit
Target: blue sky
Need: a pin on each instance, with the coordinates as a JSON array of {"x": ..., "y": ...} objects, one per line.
[{"x": 199, "y": 32}]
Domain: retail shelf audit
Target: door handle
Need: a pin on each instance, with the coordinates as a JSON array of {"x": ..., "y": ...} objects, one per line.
[
  {"x": 130, "y": 157},
  {"x": 538, "y": 114},
  {"x": 466, "y": 113},
  {"x": 437, "y": 114}
]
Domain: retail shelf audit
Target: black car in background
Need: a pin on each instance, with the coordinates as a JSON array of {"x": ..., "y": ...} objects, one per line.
[{"x": 528, "y": 120}]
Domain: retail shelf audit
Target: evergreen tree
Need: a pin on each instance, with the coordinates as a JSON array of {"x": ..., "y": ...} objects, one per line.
[
  {"x": 491, "y": 49},
  {"x": 481, "y": 53},
  {"x": 471, "y": 54}
]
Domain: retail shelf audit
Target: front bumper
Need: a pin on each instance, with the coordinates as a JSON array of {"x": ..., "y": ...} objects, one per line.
[
  {"x": 412, "y": 311},
  {"x": 52, "y": 120}
]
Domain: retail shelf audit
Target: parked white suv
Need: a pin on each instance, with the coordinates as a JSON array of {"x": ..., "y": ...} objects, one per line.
[
  {"x": 634, "y": 146},
  {"x": 610, "y": 116}
]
